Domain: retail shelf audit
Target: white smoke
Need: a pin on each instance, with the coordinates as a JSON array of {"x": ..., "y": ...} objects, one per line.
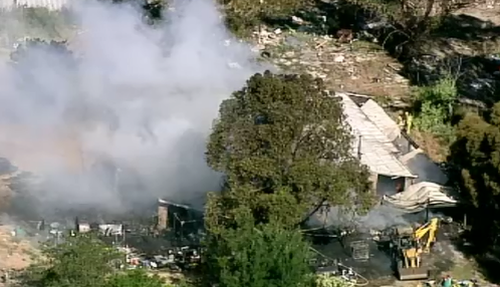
[
  {"x": 379, "y": 217},
  {"x": 143, "y": 98}
]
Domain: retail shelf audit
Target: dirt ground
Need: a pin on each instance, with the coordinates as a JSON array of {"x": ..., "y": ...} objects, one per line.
[
  {"x": 361, "y": 67},
  {"x": 371, "y": 72},
  {"x": 15, "y": 253}
]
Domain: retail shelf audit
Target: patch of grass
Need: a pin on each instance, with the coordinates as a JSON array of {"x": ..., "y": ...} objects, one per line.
[
  {"x": 283, "y": 48},
  {"x": 431, "y": 145},
  {"x": 367, "y": 46},
  {"x": 463, "y": 270},
  {"x": 382, "y": 100}
]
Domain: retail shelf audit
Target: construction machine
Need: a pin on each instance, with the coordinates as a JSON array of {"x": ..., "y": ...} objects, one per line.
[
  {"x": 425, "y": 235},
  {"x": 406, "y": 251},
  {"x": 407, "y": 245}
]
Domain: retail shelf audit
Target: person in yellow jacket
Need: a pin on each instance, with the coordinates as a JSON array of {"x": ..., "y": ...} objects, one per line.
[
  {"x": 401, "y": 121},
  {"x": 409, "y": 122}
]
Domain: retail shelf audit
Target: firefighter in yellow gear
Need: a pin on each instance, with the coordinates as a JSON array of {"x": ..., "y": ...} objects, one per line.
[
  {"x": 401, "y": 121},
  {"x": 409, "y": 122}
]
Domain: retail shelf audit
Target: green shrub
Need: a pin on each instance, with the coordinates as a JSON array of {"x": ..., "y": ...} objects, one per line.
[{"x": 435, "y": 108}]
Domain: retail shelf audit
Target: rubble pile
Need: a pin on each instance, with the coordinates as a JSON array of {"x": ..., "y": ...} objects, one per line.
[
  {"x": 357, "y": 66},
  {"x": 174, "y": 259}
]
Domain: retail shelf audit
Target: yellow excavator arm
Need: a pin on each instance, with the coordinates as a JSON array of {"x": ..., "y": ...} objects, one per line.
[{"x": 430, "y": 228}]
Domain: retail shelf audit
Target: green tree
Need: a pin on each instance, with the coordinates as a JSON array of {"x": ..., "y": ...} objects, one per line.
[
  {"x": 327, "y": 280},
  {"x": 284, "y": 146},
  {"x": 82, "y": 261},
  {"x": 258, "y": 256},
  {"x": 135, "y": 278},
  {"x": 477, "y": 154}
]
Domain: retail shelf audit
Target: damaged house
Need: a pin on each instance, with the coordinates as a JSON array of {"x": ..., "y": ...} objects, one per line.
[
  {"x": 182, "y": 221},
  {"x": 401, "y": 173}
]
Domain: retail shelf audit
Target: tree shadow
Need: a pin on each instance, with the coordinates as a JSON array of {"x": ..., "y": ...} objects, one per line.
[
  {"x": 460, "y": 47},
  {"x": 487, "y": 260},
  {"x": 466, "y": 27},
  {"x": 476, "y": 241}
]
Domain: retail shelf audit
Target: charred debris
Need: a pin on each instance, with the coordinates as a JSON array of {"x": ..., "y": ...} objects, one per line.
[
  {"x": 168, "y": 237},
  {"x": 168, "y": 234},
  {"x": 401, "y": 250}
]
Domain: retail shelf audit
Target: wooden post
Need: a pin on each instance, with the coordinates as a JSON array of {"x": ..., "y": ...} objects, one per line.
[
  {"x": 162, "y": 217},
  {"x": 374, "y": 179},
  {"x": 360, "y": 153}
]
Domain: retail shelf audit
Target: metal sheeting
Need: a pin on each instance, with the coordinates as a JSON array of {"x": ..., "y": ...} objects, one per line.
[{"x": 421, "y": 195}]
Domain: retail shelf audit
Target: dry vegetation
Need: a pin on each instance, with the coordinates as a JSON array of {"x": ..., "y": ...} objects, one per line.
[{"x": 16, "y": 253}]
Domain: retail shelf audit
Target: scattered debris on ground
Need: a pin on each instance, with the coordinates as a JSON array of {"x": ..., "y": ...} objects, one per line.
[{"x": 359, "y": 66}]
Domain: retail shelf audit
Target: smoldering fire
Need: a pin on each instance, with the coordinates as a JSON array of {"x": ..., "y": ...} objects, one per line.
[{"x": 141, "y": 98}]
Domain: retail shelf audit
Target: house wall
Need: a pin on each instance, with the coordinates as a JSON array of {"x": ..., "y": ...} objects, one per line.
[
  {"x": 388, "y": 186},
  {"x": 162, "y": 217}
]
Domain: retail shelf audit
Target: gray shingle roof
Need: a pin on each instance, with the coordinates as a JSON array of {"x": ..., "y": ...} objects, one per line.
[
  {"x": 381, "y": 119},
  {"x": 377, "y": 150}
]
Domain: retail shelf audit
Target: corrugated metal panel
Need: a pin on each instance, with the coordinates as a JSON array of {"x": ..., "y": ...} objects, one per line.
[{"x": 49, "y": 4}]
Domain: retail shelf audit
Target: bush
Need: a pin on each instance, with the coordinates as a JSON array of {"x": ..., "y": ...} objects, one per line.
[
  {"x": 435, "y": 108},
  {"x": 258, "y": 256},
  {"x": 243, "y": 15}
]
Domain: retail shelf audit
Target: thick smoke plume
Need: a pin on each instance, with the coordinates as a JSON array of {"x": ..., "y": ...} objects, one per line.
[{"x": 128, "y": 121}]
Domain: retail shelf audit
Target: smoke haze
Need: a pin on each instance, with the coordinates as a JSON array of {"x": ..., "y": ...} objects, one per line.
[
  {"x": 133, "y": 112},
  {"x": 379, "y": 217}
]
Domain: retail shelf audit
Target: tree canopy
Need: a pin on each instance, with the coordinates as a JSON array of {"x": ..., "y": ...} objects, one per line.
[
  {"x": 84, "y": 261},
  {"x": 284, "y": 146},
  {"x": 79, "y": 262},
  {"x": 259, "y": 256},
  {"x": 477, "y": 153},
  {"x": 135, "y": 278}
]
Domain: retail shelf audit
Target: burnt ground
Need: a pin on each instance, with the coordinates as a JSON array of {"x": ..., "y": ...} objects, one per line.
[{"x": 378, "y": 270}]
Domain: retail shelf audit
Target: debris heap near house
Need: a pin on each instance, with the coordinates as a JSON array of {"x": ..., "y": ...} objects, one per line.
[{"x": 359, "y": 66}]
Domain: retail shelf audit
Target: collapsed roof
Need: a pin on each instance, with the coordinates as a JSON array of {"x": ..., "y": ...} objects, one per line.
[{"x": 419, "y": 196}]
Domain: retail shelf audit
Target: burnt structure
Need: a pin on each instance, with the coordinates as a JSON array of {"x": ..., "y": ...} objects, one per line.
[
  {"x": 162, "y": 224},
  {"x": 181, "y": 221}
]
